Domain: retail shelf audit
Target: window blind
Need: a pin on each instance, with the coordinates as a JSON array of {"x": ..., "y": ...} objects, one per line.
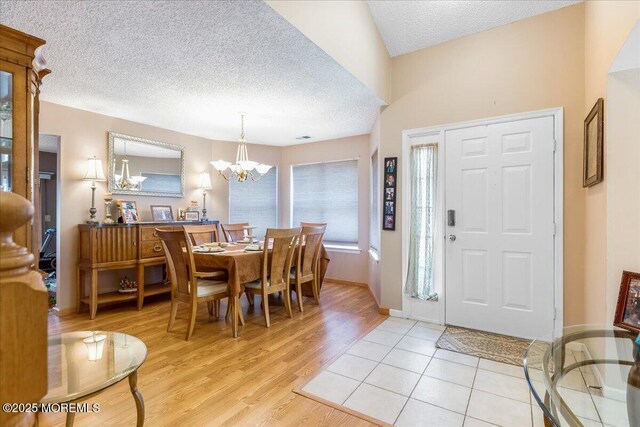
[
  {"x": 374, "y": 211},
  {"x": 327, "y": 192},
  {"x": 255, "y": 202}
]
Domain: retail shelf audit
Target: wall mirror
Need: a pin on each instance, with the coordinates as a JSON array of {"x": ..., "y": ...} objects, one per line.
[{"x": 144, "y": 167}]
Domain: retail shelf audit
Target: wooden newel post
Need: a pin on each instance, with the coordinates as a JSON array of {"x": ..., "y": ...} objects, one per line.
[{"x": 23, "y": 317}]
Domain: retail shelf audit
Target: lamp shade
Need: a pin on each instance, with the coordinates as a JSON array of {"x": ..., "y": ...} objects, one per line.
[
  {"x": 247, "y": 165},
  {"x": 94, "y": 170},
  {"x": 220, "y": 165},
  {"x": 204, "y": 181},
  {"x": 262, "y": 169}
]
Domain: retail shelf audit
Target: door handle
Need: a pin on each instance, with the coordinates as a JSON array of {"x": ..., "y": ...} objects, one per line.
[{"x": 452, "y": 237}]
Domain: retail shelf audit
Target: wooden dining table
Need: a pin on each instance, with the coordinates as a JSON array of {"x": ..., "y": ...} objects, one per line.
[{"x": 245, "y": 266}]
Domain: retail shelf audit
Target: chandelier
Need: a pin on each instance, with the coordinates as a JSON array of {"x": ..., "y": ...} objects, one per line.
[
  {"x": 243, "y": 168},
  {"x": 125, "y": 181}
]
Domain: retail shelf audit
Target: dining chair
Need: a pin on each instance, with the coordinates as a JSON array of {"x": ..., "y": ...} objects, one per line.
[
  {"x": 200, "y": 234},
  {"x": 306, "y": 266},
  {"x": 233, "y": 232},
  {"x": 276, "y": 267},
  {"x": 187, "y": 285},
  {"x": 313, "y": 224}
]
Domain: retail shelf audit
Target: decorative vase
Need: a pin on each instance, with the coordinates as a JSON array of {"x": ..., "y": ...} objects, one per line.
[{"x": 108, "y": 199}]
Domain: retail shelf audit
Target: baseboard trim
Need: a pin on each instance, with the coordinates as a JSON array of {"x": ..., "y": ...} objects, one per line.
[
  {"x": 396, "y": 313},
  {"x": 607, "y": 391},
  {"x": 346, "y": 282},
  {"x": 383, "y": 310},
  {"x": 62, "y": 312}
]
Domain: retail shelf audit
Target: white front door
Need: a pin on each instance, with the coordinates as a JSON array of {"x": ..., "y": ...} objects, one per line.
[{"x": 500, "y": 252}]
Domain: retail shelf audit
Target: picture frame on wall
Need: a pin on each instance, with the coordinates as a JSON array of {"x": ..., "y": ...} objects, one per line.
[
  {"x": 628, "y": 308},
  {"x": 593, "y": 145},
  {"x": 192, "y": 216},
  {"x": 161, "y": 213},
  {"x": 389, "y": 194},
  {"x": 127, "y": 212}
]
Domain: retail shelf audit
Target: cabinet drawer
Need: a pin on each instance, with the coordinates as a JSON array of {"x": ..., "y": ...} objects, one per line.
[
  {"x": 148, "y": 233},
  {"x": 151, "y": 249}
]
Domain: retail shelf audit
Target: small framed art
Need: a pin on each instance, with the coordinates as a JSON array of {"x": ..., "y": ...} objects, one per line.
[
  {"x": 192, "y": 216},
  {"x": 161, "y": 213},
  {"x": 127, "y": 212},
  {"x": 593, "y": 145},
  {"x": 628, "y": 308},
  {"x": 389, "y": 195}
]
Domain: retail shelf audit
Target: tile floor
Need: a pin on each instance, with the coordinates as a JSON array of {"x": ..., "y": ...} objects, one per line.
[{"x": 396, "y": 374}]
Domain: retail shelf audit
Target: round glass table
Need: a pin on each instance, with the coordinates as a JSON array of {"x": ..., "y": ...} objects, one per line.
[
  {"x": 82, "y": 364},
  {"x": 588, "y": 375}
]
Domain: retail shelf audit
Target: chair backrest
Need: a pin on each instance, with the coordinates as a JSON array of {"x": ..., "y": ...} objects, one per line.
[
  {"x": 233, "y": 232},
  {"x": 200, "y": 234},
  {"x": 309, "y": 249},
  {"x": 180, "y": 267},
  {"x": 314, "y": 224},
  {"x": 283, "y": 243}
]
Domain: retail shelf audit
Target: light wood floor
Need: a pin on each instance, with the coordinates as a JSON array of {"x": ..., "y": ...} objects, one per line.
[{"x": 215, "y": 380}]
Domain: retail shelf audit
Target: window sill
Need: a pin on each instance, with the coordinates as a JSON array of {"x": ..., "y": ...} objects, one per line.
[
  {"x": 374, "y": 255},
  {"x": 347, "y": 249}
]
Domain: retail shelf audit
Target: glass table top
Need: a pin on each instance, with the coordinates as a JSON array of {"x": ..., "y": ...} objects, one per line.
[
  {"x": 85, "y": 362},
  {"x": 599, "y": 383}
]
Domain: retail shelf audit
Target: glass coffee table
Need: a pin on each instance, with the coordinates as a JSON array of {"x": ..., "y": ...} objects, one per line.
[
  {"x": 82, "y": 364},
  {"x": 589, "y": 375}
]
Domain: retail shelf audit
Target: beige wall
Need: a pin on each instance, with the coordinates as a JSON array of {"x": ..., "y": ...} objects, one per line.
[
  {"x": 623, "y": 182},
  {"x": 351, "y": 267},
  {"x": 607, "y": 25},
  {"x": 532, "y": 64},
  {"x": 345, "y": 30},
  {"x": 83, "y": 135}
]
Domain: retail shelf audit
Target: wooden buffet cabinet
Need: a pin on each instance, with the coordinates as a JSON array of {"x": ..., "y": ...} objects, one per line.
[{"x": 118, "y": 247}]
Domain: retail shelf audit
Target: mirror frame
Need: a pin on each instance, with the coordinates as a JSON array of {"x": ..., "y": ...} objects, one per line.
[{"x": 112, "y": 159}]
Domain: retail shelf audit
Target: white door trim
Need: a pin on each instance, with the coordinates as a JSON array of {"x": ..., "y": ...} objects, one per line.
[{"x": 558, "y": 181}]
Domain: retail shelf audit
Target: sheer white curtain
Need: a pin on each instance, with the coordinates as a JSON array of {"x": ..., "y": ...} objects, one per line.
[
  {"x": 374, "y": 211},
  {"x": 424, "y": 164}
]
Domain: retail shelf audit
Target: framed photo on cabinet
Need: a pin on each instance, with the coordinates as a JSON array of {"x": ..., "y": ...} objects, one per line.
[
  {"x": 127, "y": 212},
  {"x": 161, "y": 213},
  {"x": 628, "y": 308}
]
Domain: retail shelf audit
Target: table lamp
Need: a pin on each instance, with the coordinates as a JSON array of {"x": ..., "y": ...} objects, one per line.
[
  {"x": 204, "y": 184},
  {"x": 94, "y": 174}
]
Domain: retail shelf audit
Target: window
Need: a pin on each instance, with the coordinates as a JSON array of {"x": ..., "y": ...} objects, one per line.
[
  {"x": 327, "y": 192},
  {"x": 424, "y": 163},
  {"x": 374, "y": 211},
  {"x": 255, "y": 202}
]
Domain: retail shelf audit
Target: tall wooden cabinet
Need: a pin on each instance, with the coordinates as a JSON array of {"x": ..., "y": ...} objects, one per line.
[{"x": 21, "y": 71}]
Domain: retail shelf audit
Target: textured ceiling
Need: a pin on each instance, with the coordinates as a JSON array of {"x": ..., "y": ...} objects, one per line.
[
  {"x": 407, "y": 26},
  {"x": 191, "y": 66}
]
